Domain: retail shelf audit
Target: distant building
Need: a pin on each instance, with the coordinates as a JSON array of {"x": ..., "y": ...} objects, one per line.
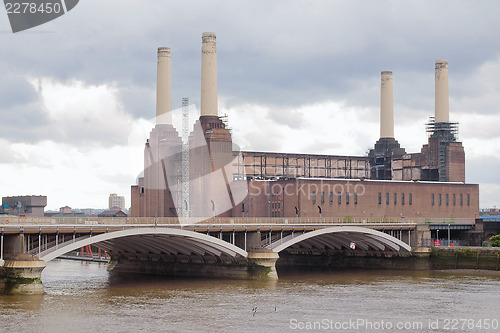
[
  {"x": 116, "y": 201},
  {"x": 114, "y": 212},
  {"x": 490, "y": 211},
  {"x": 65, "y": 211},
  {"x": 89, "y": 211},
  {"x": 25, "y": 205}
]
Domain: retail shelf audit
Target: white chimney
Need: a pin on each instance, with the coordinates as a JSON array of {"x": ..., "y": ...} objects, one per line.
[
  {"x": 386, "y": 106},
  {"x": 442, "y": 106},
  {"x": 164, "y": 87},
  {"x": 208, "y": 75}
]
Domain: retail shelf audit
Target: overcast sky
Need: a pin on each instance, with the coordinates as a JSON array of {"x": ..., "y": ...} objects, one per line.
[{"x": 293, "y": 76}]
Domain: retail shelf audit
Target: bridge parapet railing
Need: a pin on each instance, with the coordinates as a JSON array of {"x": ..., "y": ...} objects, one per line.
[
  {"x": 15, "y": 220},
  {"x": 52, "y": 245}
]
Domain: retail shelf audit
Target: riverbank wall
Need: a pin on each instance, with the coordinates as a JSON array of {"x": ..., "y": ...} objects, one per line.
[
  {"x": 464, "y": 258},
  {"x": 435, "y": 258}
]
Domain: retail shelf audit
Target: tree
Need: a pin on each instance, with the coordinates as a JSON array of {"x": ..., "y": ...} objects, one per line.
[{"x": 495, "y": 241}]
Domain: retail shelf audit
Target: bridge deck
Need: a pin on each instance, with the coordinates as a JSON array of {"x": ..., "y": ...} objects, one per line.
[
  {"x": 205, "y": 227},
  {"x": 6, "y": 220}
]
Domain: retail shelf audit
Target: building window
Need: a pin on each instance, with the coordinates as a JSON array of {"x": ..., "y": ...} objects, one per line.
[
  {"x": 410, "y": 199},
  {"x": 347, "y": 198},
  {"x": 387, "y": 198},
  {"x": 454, "y": 199},
  {"x": 322, "y": 197},
  {"x": 439, "y": 199},
  {"x": 432, "y": 199},
  {"x": 355, "y": 198},
  {"x": 468, "y": 199},
  {"x": 461, "y": 199},
  {"x": 339, "y": 198},
  {"x": 379, "y": 198},
  {"x": 395, "y": 198},
  {"x": 402, "y": 198},
  {"x": 314, "y": 197},
  {"x": 447, "y": 199},
  {"x": 331, "y": 197}
]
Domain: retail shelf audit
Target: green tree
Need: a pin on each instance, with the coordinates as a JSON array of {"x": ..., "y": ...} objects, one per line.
[{"x": 495, "y": 241}]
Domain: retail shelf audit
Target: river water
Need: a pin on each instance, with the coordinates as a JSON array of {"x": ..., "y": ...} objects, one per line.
[{"x": 83, "y": 297}]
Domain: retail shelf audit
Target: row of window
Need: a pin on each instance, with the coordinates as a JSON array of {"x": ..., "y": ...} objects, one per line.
[
  {"x": 396, "y": 197},
  {"x": 387, "y": 198},
  {"x": 339, "y": 197},
  {"x": 447, "y": 199}
]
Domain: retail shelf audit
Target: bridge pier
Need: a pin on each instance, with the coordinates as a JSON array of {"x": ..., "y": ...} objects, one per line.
[
  {"x": 22, "y": 275},
  {"x": 423, "y": 231},
  {"x": 262, "y": 264}
]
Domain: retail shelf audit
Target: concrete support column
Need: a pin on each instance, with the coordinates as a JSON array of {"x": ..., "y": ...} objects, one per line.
[
  {"x": 253, "y": 240},
  {"x": 262, "y": 264},
  {"x": 21, "y": 275},
  {"x": 442, "y": 101},
  {"x": 209, "y": 75},
  {"x": 423, "y": 234},
  {"x": 386, "y": 106},
  {"x": 164, "y": 87}
]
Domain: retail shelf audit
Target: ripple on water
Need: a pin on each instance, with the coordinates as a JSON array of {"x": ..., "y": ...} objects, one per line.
[{"x": 82, "y": 297}]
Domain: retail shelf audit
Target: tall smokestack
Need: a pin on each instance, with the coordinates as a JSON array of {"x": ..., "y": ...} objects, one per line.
[
  {"x": 208, "y": 75},
  {"x": 442, "y": 106},
  {"x": 164, "y": 87},
  {"x": 386, "y": 106}
]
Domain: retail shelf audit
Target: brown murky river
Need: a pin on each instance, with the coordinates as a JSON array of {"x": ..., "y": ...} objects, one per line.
[{"x": 82, "y": 297}]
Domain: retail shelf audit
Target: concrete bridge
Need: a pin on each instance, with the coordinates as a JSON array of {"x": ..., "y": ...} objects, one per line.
[{"x": 218, "y": 247}]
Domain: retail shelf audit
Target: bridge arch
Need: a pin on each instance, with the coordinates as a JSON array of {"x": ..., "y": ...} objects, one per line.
[
  {"x": 340, "y": 237},
  {"x": 155, "y": 241}
]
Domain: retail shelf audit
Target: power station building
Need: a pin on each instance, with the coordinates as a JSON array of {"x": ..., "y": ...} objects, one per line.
[{"x": 201, "y": 176}]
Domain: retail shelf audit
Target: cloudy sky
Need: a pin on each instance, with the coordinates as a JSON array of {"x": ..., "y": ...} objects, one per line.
[{"x": 293, "y": 76}]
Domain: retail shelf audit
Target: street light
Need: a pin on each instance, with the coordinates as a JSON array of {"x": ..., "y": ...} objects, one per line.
[
  {"x": 437, "y": 236},
  {"x": 213, "y": 207}
]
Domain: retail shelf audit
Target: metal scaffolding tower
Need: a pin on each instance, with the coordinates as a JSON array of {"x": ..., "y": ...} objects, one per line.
[
  {"x": 446, "y": 132},
  {"x": 185, "y": 157}
]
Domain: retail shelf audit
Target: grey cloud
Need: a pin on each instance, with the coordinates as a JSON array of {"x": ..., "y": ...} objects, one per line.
[
  {"x": 482, "y": 170},
  {"x": 264, "y": 141},
  {"x": 15, "y": 90},
  {"x": 23, "y": 122},
  {"x": 288, "y": 117},
  {"x": 8, "y": 155},
  {"x": 308, "y": 52},
  {"x": 139, "y": 101}
]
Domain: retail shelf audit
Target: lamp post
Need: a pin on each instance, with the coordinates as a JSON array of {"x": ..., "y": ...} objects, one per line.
[
  {"x": 213, "y": 208},
  {"x": 437, "y": 236}
]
